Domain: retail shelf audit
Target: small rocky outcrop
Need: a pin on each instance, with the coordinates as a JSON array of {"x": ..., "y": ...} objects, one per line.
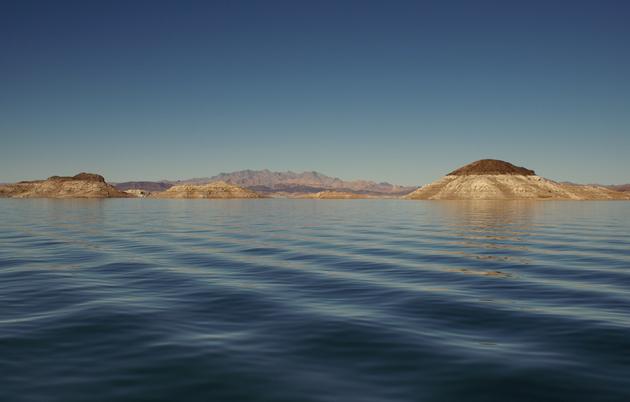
[
  {"x": 82, "y": 185},
  {"x": 216, "y": 190},
  {"x": 335, "y": 195},
  {"x": 491, "y": 179},
  {"x": 138, "y": 193}
]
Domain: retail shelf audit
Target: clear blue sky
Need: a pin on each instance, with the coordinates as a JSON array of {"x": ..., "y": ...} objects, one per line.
[{"x": 386, "y": 90}]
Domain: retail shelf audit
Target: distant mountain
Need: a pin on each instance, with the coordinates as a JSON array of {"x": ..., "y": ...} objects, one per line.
[
  {"x": 143, "y": 185},
  {"x": 618, "y": 187},
  {"x": 266, "y": 181}
]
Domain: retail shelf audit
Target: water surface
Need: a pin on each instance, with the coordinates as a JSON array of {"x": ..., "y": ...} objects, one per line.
[{"x": 313, "y": 300}]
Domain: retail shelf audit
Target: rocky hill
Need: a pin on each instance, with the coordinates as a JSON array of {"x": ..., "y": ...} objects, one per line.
[
  {"x": 217, "y": 189},
  {"x": 495, "y": 179},
  {"x": 82, "y": 185}
]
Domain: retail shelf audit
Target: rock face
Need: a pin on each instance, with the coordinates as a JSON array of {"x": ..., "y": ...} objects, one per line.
[
  {"x": 491, "y": 179},
  {"x": 217, "y": 189},
  {"x": 82, "y": 185}
]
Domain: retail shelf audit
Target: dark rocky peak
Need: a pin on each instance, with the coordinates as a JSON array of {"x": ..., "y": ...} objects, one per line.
[
  {"x": 491, "y": 166},
  {"x": 81, "y": 176}
]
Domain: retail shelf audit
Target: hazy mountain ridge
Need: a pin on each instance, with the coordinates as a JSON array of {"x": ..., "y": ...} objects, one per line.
[
  {"x": 270, "y": 181},
  {"x": 143, "y": 185},
  {"x": 267, "y": 181},
  {"x": 616, "y": 187}
]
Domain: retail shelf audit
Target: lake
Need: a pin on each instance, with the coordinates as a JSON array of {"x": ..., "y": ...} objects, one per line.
[{"x": 314, "y": 300}]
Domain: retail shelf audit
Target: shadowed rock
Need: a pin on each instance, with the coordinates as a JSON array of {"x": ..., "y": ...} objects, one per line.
[
  {"x": 81, "y": 176},
  {"x": 491, "y": 166}
]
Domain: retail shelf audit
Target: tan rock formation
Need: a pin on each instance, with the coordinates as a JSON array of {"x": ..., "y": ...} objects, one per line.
[
  {"x": 497, "y": 180},
  {"x": 83, "y": 185},
  {"x": 219, "y": 189},
  {"x": 334, "y": 195}
]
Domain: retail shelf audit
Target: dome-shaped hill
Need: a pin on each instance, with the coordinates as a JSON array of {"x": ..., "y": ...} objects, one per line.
[
  {"x": 491, "y": 166},
  {"x": 491, "y": 179}
]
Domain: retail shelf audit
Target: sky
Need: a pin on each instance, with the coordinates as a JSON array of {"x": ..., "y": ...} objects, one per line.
[{"x": 397, "y": 91}]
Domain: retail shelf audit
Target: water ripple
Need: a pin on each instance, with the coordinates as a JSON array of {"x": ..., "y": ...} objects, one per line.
[{"x": 302, "y": 300}]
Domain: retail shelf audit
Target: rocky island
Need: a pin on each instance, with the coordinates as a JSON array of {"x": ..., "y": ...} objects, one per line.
[
  {"x": 492, "y": 179},
  {"x": 217, "y": 189},
  {"x": 82, "y": 185}
]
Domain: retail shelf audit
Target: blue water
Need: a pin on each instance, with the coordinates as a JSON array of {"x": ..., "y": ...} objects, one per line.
[{"x": 311, "y": 300}]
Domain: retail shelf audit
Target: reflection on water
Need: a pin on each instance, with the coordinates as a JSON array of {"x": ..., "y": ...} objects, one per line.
[
  {"x": 304, "y": 300},
  {"x": 496, "y": 230}
]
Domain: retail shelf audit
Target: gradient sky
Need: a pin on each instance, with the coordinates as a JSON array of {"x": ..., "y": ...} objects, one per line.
[{"x": 386, "y": 90}]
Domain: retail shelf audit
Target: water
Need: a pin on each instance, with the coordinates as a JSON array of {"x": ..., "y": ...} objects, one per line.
[{"x": 310, "y": 300}]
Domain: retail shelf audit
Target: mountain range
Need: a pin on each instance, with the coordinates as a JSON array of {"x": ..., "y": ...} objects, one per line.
[{"x": 267, "y": 181}]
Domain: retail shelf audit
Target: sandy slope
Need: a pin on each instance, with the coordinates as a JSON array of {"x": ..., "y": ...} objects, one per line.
[{"x": 509, "y": 186}]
